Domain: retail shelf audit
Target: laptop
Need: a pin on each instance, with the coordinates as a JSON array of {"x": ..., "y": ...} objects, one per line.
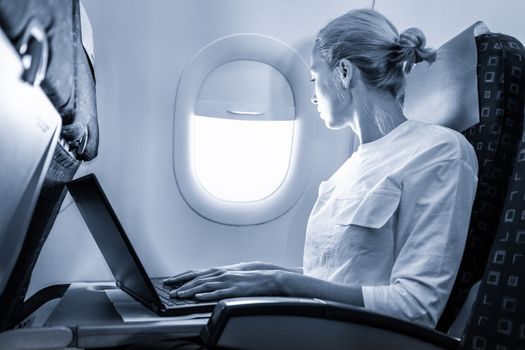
[{"x": 120, "y": 256}]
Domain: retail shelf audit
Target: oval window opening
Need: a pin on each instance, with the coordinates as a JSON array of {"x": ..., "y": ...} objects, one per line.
[
  {"x": 241, "y": 160},
  {"x": 243, "y": 131}
]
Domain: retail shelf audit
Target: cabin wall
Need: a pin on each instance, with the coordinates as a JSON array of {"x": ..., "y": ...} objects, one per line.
[
  {"x": 442, "y": 20},
  {"x": 141, "y": 48}
]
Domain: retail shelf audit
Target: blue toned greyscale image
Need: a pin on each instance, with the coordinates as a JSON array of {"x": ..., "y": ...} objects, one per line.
[{"x": 278, "y": 174}]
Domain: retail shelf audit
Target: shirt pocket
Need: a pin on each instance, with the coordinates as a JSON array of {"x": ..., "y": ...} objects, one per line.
[{"x": 372, "y": 210}]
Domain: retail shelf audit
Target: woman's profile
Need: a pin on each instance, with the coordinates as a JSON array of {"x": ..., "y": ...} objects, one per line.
[{"x": 388, "y": 229}]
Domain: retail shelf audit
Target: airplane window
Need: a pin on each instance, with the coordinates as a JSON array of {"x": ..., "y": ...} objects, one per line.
[
  {"x": 238, "y": 160},
  {"x": 244, "y": 130}
]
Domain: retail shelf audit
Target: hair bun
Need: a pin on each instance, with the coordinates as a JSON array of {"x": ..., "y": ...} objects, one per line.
[
  {"x": 412, "y": 37},
  {"x": 412, "y": 48}
]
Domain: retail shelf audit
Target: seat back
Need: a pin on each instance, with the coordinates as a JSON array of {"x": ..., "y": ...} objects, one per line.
[
  {"x": 498, "y": 317},
  {"x": 495, "y": 139}
]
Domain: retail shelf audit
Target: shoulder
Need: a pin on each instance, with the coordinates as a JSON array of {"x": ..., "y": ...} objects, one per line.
[
  {"x": 437, "y": 144},
  {"x": 438, "y": 135}
]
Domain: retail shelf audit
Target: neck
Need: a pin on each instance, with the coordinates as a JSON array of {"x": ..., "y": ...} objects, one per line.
[{"x": 376, "y": 114}]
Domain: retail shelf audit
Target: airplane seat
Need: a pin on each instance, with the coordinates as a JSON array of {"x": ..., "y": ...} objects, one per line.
[
  {"x": 496, "y": 140},
  {"x": 492, "y": 262},
  {"x": 498, "y": 316}
]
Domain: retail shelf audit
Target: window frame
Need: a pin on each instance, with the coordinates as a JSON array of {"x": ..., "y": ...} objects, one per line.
[{"x": 286, "y": 60}]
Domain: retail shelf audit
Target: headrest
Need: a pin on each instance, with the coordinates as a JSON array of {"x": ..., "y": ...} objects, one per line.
[{"x": 446, "y": 92}]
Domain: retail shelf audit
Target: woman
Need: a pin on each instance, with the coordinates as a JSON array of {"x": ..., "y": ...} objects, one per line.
[{"x": 388, "y": 229}]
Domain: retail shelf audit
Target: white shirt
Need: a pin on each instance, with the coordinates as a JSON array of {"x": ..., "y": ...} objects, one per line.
[{"x": 394, "y": 219}]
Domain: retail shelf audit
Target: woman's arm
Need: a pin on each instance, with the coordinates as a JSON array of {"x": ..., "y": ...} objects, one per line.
[
  {"x": 229, "y": 284},
  {"x": 310, "y": 287},
  {"x": 432, "y": 225},
  {"x": 260, "y": 265}
]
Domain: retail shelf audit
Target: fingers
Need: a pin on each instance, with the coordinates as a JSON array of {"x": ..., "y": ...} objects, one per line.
[
  {"x": 217, "y": 294},
  {"x": 200, "y": 288},
  {"x": 180, "y": 278},
  {"x": 188, "y": 276},
  {"x": 213, "y": 281},
  {"x": 225, "y": 284},
  {"x": 199, "y": 281}
]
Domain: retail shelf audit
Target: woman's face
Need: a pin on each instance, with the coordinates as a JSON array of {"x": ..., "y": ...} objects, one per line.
[{"x": 335, "y": 113}]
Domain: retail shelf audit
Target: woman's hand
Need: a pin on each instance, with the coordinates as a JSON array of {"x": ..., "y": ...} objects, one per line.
[
  {"x": 192, "y": 274},
  {"x": 220, "y": 284},
  {"x": 244, "y": 266}
]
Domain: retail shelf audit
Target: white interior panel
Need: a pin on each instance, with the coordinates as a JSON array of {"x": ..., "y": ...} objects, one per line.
[{"x": 442, "y": 20}]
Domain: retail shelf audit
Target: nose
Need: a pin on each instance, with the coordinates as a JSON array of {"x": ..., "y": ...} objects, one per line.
[{"x": 314, "y": 99}]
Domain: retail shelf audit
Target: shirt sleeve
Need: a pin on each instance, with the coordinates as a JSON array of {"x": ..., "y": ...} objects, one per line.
[{"x": 433, "y": 218}]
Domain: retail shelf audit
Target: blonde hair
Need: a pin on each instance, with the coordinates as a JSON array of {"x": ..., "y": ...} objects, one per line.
[{"x": 372, "y": 43}]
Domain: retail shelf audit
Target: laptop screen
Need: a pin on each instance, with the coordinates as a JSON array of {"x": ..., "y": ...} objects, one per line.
[{"x": 111, "y": 239}]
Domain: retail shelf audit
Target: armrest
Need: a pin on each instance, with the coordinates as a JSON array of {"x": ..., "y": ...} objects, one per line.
[{"x": 296, "y": 323}]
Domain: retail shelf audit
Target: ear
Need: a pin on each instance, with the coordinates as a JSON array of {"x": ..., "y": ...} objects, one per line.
[{"x": 345, "y": 69}]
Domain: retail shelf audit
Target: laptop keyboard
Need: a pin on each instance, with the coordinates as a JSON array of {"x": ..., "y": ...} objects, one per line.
[{"x": 163, "y": 292}]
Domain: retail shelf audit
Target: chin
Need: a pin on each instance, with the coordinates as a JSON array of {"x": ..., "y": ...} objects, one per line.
[
  {"x": 330, "y": 122},
  {"x": 327, "y": 120},
  {"x": 331, "y": 125}
]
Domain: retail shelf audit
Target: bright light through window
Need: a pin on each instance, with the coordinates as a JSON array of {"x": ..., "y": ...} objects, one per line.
[{"x": 241, "y": 160}]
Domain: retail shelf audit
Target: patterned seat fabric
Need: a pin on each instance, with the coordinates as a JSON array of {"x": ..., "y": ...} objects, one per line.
[
  {"x": 496, "y": 139},
  {"x": 498, "y": 316}
]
